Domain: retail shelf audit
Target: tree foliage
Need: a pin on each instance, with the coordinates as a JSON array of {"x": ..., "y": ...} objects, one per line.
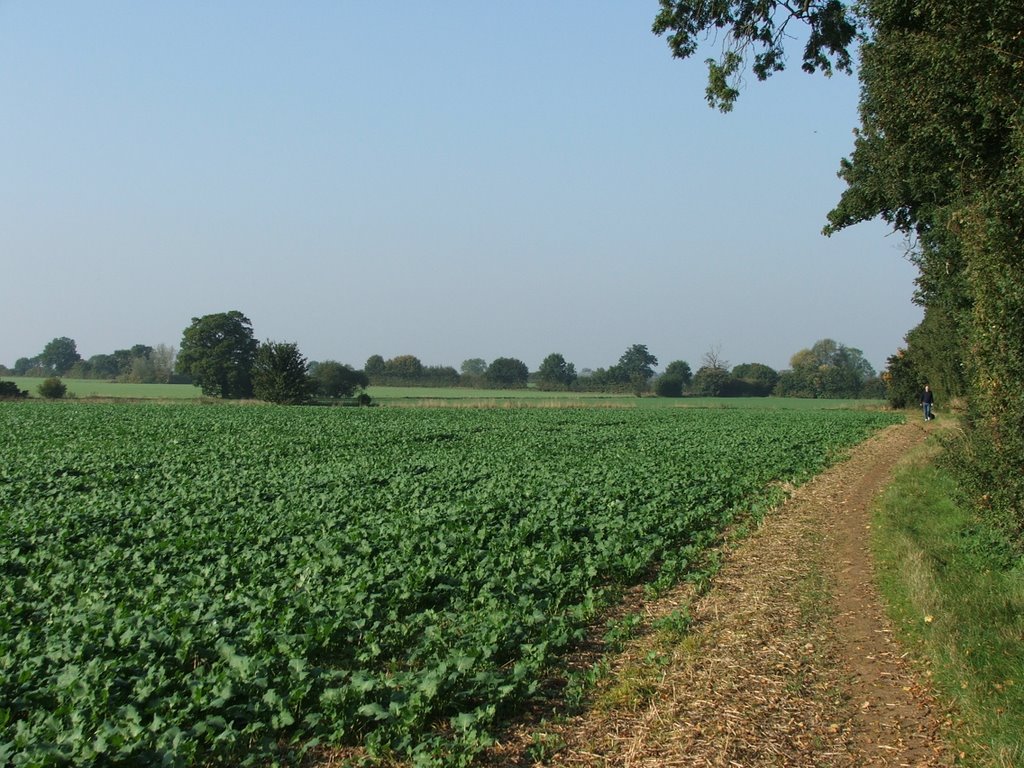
[
  {"x": 507, "y": 373},
  {"x": 636, "y": 363},
  {"x": 52, "y": 388},
  {"x": 336, "y": 380},
  {"x": 59, "y": 355},
  {"x": 680, "y": 369},
  {"x": 668, "y": 385},
  {"x": 280, "y": 374},
  {"x": 756, "y": 379},
  {"x": 940, "y": 156},
  {"x": 218, "y": 351},
  {"x": 710, "y": 381},
  {"x": 556, "y": 373},
  {"x": 760, "y": 28},
  {"x": 827, "y": 370},
  {"x": 474, "y": 366},
  {"x": 10, "y": 391}
]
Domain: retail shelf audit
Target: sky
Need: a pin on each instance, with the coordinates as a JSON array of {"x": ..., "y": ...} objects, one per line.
[{"x": 449, "y": 180}]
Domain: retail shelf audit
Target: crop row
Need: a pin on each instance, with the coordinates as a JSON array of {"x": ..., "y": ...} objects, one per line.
[{"x": 188, "y": 584}]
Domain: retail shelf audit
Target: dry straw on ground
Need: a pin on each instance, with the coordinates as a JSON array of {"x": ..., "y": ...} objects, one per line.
[{"x": 789, "y": 661}]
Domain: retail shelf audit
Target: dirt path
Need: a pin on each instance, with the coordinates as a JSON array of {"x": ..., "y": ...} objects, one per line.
[{"x": 774, "y": 671}]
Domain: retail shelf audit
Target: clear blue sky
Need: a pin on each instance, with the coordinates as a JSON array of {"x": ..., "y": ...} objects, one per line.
[{"x": 450, "y": 180}]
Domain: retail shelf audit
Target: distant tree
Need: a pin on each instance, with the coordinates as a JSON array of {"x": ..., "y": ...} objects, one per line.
[
  {"x": 374, "y": 367},
  {"x": 53, "y": 388},
  {"x": 827, "y": 370},
  {"x": 23, "y": 365},
  {"x": 713, "y": 359},
  {"x": 755, "y": 379},
  {"x": 403, "y": 368},
  {"x": 679, "y": 369},
  {"x": 439, "y": 376},
  {"x": 59, "y": 355},
  {"x": 555, "y": 373},
  {"x": 599, "y": 380},
  {"x": 80, "y": 370},
  {"x": 507, "y": 373},
  {"x": 103, "y": 367},
  {"x": 636, "y": 362},
  {"x": 141, "y": 372},
  {"x": 668, "y": 385},
  {"x": 475, "y": 366},
  {"x": 712, "y": 382},
  {"x": 162, "y": 358},
  {"x": 336, "y": 380},
  {"x": 279, "y": 374},
  {"x": 218, "y": 351}
]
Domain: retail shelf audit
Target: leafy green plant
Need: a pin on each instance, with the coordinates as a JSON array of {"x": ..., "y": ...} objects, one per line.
[
  {"x": 52, "y": 388},
  {"x": 219, "y": 584}
]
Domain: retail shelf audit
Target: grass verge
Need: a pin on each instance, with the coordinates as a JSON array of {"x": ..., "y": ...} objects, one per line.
[{"x": 956, "y": 591}]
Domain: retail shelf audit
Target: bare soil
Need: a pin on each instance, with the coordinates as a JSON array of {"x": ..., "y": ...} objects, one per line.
[{"x": 789, "y": 660}]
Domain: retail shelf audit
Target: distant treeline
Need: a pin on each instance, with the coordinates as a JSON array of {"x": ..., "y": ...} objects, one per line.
[
  {"x": 140, "y": 364},
  {"x": 827, "y": 369}
]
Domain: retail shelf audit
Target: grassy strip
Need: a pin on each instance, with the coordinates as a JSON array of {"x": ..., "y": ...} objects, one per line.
[
  {"x": 98, "y": 388},
  {"x": 956, "y": 591}
]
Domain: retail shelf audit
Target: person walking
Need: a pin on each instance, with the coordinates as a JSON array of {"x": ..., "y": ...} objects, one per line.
[{"x": 927, "y": 400}]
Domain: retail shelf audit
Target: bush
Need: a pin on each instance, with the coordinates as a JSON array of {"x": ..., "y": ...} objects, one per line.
[
  {"x": 9, "y": 391},
  {"x": 53, "y": 388},
  {"x": 669, "y": 386}
]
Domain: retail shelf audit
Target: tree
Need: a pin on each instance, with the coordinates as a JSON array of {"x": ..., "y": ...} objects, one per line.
[
  {"x": 405, "y": 369},
  {"x": 711, "y": 381},
  {"x": 59, "y": 355},
  {"x": 939, "y": 155},
  {"x": 162, "y": 358},
  {"x": 827, "y": 370},
  {"x": 335, "y": 380},
  {"x": 759, "y": 26},
  {"x": 103, "y": 366},
  {"x": 279, "y": 374},
  {"x": 679, "y": 369},
  {"x": 555, "y": 373},
  {"x": 25, "y": 364},
  {"x": 634, "y": 369},
  {"x": 758, "y": 379},
  {"x": 507, "y": 373},
  {"x": 475, "y": 367},
  {"x": 668, "y": 385},
  {"x": 439, "y": 376},
  {"x": 713, "y": 359},
  {"x": 218, "y": 351},
  {"x": 374, "y": 367},
  {"x": 637, "y": 362}
]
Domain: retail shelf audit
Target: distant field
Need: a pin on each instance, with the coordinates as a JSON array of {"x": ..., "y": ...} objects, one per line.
[
  {"x": 113, "y": 389},
  {"x": 458, "y": 396}
]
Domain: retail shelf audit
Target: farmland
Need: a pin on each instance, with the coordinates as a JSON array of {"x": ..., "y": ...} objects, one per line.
[{"x": 186, "y": 584}]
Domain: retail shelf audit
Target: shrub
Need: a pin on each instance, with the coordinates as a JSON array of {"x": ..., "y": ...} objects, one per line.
[
  {"x": 669, "y": 386},
  {"x": 53, "y": 388},
  {"x": 9, "y": 391}
]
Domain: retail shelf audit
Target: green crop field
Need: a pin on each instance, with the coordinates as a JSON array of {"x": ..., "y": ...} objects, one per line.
[
  {"x": 452, "y": 396},
  {"x": 185, "y": 585},
  {"x": 97, "y": 388}
]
